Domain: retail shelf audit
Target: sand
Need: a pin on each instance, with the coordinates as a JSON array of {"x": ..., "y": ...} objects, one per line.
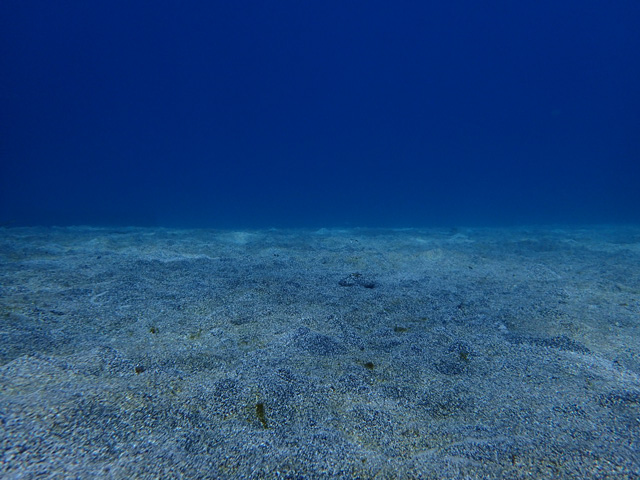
[{"x": 435, "y": 353}]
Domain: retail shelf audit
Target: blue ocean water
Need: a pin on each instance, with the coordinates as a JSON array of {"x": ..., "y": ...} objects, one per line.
[{"x": 332, "y": 113}]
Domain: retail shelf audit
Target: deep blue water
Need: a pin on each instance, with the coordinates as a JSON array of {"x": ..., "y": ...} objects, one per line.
[{"x": 319, "y": 113}]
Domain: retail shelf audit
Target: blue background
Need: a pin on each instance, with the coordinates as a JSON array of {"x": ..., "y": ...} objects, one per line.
[{"x": 319, "y": 113}]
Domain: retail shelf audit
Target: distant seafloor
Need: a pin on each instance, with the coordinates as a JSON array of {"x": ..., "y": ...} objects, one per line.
[{"x": 417, "y": 353}]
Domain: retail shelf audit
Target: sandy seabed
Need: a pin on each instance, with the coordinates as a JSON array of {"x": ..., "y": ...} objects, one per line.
[{"x": 419, "y": 353}]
